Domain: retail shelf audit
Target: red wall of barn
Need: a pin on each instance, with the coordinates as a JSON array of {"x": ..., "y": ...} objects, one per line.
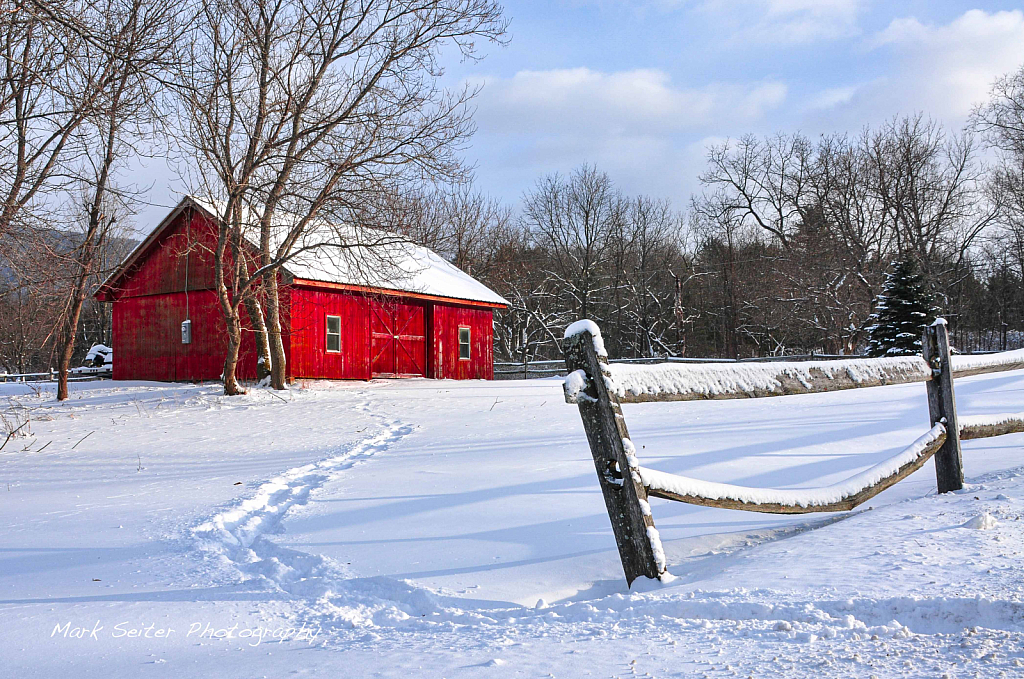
[
  {"x": 147, "y": 339},
  {"x": 163, "y": 268},
  {"x": 307, "y": 333},
  {"x": 445, "y": 323},
  {"x": 149, "y": 308},
  {"x": 308, "y": 324}
]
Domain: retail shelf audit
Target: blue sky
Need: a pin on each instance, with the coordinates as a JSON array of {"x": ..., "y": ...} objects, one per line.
[{"x": 642, "y": 88}]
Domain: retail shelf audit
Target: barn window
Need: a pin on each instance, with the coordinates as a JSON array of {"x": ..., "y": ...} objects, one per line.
[
  {"x": 334, "y": 334},
  {"x": 463, "y": 344}
]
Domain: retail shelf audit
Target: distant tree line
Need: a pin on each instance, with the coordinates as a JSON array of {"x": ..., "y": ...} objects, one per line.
[{"x": 784, "y": 251}]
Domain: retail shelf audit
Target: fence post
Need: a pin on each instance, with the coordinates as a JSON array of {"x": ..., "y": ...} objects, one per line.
[
  {"x": 624, "y": 494},
  {"x": 949, "y": 467}
]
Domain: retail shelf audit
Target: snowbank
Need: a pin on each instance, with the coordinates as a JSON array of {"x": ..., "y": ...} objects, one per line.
[{"x": 803, "y": 497}]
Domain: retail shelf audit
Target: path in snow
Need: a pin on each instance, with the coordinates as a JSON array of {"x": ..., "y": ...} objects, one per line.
[{"x": 238, "y": 535}]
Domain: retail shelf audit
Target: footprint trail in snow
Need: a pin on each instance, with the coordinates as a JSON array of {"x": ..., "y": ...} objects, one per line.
[{"x": 236, "y": 537}]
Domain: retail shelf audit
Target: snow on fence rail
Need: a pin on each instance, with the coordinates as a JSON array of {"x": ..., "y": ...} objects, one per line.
[
  {"x": 838, "y": 497},
  {"x": 598, "y": 388},
  {"x": 527, "y": 369},
  {"x": 682, "y": 382}
]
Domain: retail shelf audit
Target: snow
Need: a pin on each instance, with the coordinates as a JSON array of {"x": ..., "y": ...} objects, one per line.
[
  {"x": 580, "y": 327},
  {"x": 391, "y": 264},
  {"x": 715, "y": 379},
  {"x": 976, "y": 361},
  {"x": 98, "y": 349},
  {"x": 575, "y": 383},
  {"x": 410, "y": 268},
  {"x": 709, "y": 380},
  {"x": 987, "y": 420},
  {"x": 983, "y": 521},
  {"x": 409, "y": 528},
  {"x": 803, "y": 497},
  {"x": 654, "y": 537}
]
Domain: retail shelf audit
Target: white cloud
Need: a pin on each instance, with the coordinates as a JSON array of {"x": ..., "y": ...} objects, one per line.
[
  {"x": 941, "y": 70},
  {"x": 787, "y": 21},
  {"x": 581, "y": 100},
  {"x": 636, "y": 125},
  {"x": 832, "y": 97},
  {"x": 946, "y": 69}
]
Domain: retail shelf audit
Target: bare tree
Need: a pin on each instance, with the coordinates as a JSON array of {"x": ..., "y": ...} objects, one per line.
[
  {"x": 1001, "y": 122},
  {"x": 131, "y": 40},
  {"x": 930, "y": 189},
  {"x": 764, "y": 182},
  {"x": 46, "y": 93},
  {"x": 652, "y": 253},
  {"x": 455, "y": 221},
  {"x": 298, "y": 112},
  {"x": 572, "y": 218}
]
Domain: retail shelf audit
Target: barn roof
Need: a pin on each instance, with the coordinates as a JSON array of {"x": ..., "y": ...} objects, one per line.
[{"x": 390, "y": 265}]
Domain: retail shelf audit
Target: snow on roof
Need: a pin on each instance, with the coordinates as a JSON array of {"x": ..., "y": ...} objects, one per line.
[
  {"x": 389, "y": 262},
  {"x": 399, "y": 266}
]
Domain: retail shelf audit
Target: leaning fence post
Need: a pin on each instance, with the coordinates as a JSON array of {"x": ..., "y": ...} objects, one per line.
[
  {"x": 617, "y": 469},
  {"x": 949, "y": 466}
]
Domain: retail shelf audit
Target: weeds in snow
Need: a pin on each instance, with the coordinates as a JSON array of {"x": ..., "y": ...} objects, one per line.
[{"x": 15, "y": 422}]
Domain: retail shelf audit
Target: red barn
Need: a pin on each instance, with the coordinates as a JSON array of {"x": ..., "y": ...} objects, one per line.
[{"x": 436, "y": 322}]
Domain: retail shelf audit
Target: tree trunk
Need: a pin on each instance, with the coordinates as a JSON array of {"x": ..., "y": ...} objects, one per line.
[
  {"x": 259, "y": 328},
  {"x": 234, "y": 331},
  {"x": 68, "y": 337},
  {"x": 228, "y": 304},
  {"x": 70, "y": 331},
  {"x": 278, "y": 366}
]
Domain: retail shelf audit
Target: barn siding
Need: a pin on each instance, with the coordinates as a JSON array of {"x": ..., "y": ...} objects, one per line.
[
  {"x": 162, "y": 268},
  {"x": 147, "y": 339},
  {"x": 309, "y": 311},
  {"x": 398, "y": 337},
  {"x": 151, "y": 304},
  {"x": 307, "y": 336},
  {"x": 445, "y": 322}
]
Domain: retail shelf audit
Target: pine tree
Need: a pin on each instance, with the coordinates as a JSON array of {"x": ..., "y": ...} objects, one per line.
[{"x": 902, "y": 311}]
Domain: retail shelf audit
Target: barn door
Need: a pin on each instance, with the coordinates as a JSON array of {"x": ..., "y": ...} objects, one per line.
[{"x": 398, "y": 342}]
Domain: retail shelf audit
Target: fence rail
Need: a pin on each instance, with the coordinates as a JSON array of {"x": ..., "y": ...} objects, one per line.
[
  {"x": 75, "y": 375},
  {"x": 667, "y": 382},
  {"x": 517, "y": 370},
  {"x": 553, "y": 368},
  {"x": 598, "y": 387}
]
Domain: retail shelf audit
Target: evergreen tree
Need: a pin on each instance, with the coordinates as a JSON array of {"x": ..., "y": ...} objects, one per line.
[{"x": 902, "y": 311}]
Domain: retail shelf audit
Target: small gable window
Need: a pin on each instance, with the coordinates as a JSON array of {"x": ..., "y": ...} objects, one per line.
[
  {"x": 463, "y": 344},
  {"x": 334, "y": 334}
]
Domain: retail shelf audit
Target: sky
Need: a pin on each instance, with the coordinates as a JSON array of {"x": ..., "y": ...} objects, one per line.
[{"x": 641, "y": 89}]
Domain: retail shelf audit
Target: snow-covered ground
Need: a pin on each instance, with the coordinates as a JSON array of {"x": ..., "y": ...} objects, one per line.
[{"x": 447, "y": 529}]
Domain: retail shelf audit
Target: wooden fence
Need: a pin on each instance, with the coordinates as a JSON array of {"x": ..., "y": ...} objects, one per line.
[
  {"x": 522, "y": 370},
  {"x": 598, "y": 388},
  {"x": 74, "y": 375}
]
